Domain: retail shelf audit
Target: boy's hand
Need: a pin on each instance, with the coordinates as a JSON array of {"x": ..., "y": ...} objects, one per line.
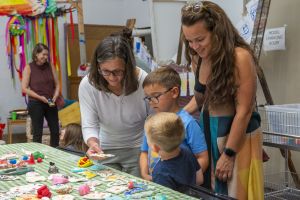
[{"x": 147, "y": 177}]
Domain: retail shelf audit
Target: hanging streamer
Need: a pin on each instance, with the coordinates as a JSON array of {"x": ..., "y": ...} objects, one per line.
[{"x": 38, "y": 23}]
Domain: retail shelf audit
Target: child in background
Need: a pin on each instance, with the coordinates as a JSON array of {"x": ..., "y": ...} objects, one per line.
[
  {"x": 177, "y": 166},
  {"x": 72, "y": 139},
  {"x": 162, "y": 90}
]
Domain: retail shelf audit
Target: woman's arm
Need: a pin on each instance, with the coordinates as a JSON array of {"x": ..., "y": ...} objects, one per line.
[
  {"x": 246, "y": 80},
  {"x": 56, "y": 92},
  {"x": 25, "y": 86},
  {"x": 244, "y": 100},
  {"x": 192, "y": 106},
  {"x": 89, "y": 116}
]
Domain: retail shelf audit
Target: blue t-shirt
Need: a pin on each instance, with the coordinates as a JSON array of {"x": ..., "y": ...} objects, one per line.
[
  {"x": 178, "y": 171},
  {"x": 194, "y": 139}
]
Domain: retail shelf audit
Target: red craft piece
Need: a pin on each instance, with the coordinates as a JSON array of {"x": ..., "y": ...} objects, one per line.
[
  {"x": 43, "y": 192},
  {"x": 39, "y": 160},
  {"x": 31, "y": 160},
  {"x": 130, "y": 185}
]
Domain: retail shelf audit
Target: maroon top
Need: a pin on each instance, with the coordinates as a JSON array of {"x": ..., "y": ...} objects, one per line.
[{"x": 42, "y": 80}]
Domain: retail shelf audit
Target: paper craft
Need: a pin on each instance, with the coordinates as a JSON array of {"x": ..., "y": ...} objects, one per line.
[
  {"x": 17, "y": 171},
  {"x": 84, "y": 162},
  {"x": 62, "y": 189},
  {"x": 93, "y": 183},
  {"x": 101, "y": 155},
  {"x": 77, "y": 179},
  {"x": 77, "y": 169},
  {"x": 4, "y": 196},
  {"x": 84, "y": 190},
  {"x": 30, "y": 188},
  {"x": 88, "y": 174},
  {"x": 8, "y": 178},
  {"x": 116, "y": 189},
  {"x": 53, "y": 175},
  {"x": 117, "y": 183},
  {"x": 32, "y": 177},
  {"x": 59, "y": 180},
  {"x": 111, "y": 178},
  {"x": 63, "y": 197},
  {"x": 27, "y": 197},
  {"x": 97, "y": 167},
  {"x": 97, "y": 195},
  {"x": 105, "y": 173},
  {"x": 11, "y": 155}
]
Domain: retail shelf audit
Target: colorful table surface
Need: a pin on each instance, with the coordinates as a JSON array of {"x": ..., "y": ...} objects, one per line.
[{"x": 65, "y": 162}]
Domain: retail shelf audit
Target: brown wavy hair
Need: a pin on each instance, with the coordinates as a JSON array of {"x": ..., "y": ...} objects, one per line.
[
  {"x": 73, "y": 137},
  {"x": 111, "y": 47},
  {"x": 221, "y": 84}
]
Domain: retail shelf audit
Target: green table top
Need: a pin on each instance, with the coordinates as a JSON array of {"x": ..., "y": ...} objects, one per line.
[{"x": 65, "y": 162}]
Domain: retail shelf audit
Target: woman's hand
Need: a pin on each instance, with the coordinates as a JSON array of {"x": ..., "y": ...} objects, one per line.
[
  {"x": 224, "y": 167},
  {"x": 54, "y": 98},
  {"x": 94, "y": 149},
  {"x": 44, "y": 99}
]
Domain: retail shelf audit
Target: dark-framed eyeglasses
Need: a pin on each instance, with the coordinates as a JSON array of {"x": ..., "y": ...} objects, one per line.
[
  {"x": 108, "y": 72},
  {"x": 194, "y": 7},
  {"x": 155, "y": 99}
]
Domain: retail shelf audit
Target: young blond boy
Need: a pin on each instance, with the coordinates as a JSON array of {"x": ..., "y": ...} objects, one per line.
[
  {"x": 177, "y": 166},
  {"x": 162, "y": 90}
]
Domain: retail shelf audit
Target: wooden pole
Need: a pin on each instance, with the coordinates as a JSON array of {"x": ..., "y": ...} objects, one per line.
[{"x": 81, "y": 34}]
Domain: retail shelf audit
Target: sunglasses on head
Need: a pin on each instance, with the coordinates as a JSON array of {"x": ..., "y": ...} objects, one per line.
[{"x": 194, "y": 7}]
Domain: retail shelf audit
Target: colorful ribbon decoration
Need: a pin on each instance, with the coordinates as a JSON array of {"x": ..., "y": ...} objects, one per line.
[{"x": 37, "y": 24}]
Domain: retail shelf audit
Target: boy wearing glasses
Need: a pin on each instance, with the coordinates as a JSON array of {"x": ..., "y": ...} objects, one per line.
[
  {"x": 162, "y": 90},
  {"x": 177, "y": 166}
]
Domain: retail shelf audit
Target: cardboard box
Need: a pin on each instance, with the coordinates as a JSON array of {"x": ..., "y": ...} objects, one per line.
[{"x": 70, "y": 114}]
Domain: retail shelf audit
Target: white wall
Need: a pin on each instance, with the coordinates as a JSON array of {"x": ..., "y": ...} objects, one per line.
[
  {"x": 106, "y": 12},
  {"x": 166, "y": 24}
]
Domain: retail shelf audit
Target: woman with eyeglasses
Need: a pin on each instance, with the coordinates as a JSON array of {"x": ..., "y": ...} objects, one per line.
[
  {"x": 112, "y": 107},
  {"x": 225, "y": 90}
]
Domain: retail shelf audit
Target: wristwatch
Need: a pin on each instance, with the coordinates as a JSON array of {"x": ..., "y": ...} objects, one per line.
[{"x": 229, "y": 152}]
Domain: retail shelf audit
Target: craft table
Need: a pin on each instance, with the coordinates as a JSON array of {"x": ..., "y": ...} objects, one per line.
[
  {"x": 65, "y": 162},
  {"x": 10, "y": 124}
]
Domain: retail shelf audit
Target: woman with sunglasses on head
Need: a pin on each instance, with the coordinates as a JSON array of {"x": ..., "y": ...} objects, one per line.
[
  {"x": 225, "y": 90},
  {"x": 112, "y": 107}
]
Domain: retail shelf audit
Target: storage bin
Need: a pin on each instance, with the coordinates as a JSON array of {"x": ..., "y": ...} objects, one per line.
[{"x": 284, "y": 119}]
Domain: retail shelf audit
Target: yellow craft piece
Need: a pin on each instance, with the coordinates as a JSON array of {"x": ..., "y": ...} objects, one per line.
[
  {"x": 84, "y": 162},
  {"x": 89, "y": 174}
]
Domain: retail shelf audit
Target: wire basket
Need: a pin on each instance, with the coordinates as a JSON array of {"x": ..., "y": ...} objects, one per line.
[
  {"x": 282, "y": 119},
  {"x": 281, "y": 124},
  {"x": 281, "y": 186}
]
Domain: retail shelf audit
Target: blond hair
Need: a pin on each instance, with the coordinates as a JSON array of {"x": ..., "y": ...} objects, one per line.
[{"x": 165, "y": 129}]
